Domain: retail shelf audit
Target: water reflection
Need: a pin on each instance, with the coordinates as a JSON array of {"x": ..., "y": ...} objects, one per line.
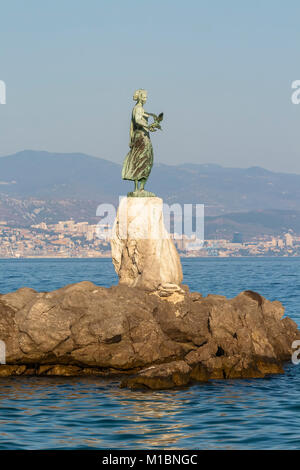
[{"x": 48, "y": 412}]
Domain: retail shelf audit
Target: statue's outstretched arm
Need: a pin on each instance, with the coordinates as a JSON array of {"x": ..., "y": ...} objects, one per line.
[
  {"x": 150, "y": 114},
  {"x": 156, "y": 121}
]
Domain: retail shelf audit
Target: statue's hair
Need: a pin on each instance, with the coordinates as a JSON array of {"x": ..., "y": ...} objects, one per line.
[{"x": 137, "y": 94}]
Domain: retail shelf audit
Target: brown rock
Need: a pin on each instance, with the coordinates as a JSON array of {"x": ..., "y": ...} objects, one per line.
[
  {"x": 58, "y": 370},
  {"x": 84, "y": 329},
  {"x": 202, "y": 354},
  {"x": 164, "y": 376},
  {"x": 16, "y": 300},
  {"x": 7, "y": 370}
]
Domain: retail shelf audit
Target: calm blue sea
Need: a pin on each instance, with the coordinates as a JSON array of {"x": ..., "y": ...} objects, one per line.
[{"x": 82, "y": 413}]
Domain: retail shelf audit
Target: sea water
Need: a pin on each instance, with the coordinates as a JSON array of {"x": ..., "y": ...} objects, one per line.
[{"x": 93, "y": 413}]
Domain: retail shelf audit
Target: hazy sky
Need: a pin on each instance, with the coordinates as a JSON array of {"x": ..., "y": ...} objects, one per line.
[{"x": 220, "y": 70}]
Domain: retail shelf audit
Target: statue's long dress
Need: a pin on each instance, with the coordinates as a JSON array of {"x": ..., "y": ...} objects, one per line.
[{"x": 139, "y": 160}]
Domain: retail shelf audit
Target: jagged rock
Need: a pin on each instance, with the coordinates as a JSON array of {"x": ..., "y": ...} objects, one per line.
[
  {"x": 8, "y": 370},
  {"x": 86, "y": 325},
  {"x": 167, "y": 289},
  {"x": 159, "y": 342},
  {"x": 142, "y": 252},
  {"x": 163, "y": 376}
]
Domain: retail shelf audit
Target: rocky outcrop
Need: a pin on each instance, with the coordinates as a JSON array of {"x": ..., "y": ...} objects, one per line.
[
  {"x": 142, "y": 252},
  {"x": 162, "y": 376},
  {"x": 159, "y": 339}
]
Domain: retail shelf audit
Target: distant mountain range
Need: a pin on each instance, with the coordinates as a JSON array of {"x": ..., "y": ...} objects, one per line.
[
  {"x": 252, "y": 224},
  {"x": 36, "y": 186}
]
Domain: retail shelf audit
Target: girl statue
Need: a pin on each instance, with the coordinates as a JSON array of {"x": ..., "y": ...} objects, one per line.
[{"x": 139, "y": 160}]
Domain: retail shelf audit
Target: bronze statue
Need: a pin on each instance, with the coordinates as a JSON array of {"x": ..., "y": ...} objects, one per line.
[{"x": 139, "y": 160}]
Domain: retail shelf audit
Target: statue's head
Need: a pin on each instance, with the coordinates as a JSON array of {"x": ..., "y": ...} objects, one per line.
[{"x": 140, "y": 95}]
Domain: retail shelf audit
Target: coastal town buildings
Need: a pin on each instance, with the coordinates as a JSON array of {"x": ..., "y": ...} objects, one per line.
[{"x": 83, "y": 240}]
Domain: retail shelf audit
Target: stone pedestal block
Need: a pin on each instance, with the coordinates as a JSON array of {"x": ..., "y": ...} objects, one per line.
[{"x": 143, "y": 253}]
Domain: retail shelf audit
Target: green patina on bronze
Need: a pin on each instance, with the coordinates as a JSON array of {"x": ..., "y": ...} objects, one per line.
[{"x": 139, "y": 160}]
